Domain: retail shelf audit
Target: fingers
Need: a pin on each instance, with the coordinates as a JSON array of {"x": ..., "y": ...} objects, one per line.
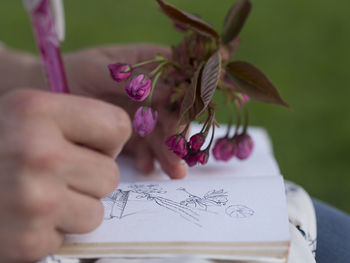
[
  {"x": 144, "y": 159},
  {"x": 170, "y": 163},
  {"x": 80, "y": 214},
  {"x": 90, "y": 172},
  {"x": 29, "y": 236},
  {"x": 28, "y": 243},
  {"x": 34, "y": 244},
  {"x": 93, "y": 123}
]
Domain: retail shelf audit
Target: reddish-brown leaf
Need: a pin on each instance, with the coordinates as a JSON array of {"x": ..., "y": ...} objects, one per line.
[
  {"x": 190, "y": 105},
  {"x": 235, "y": 20},
  {"x": 189, "y": 20},
  {"x": 250, "y": 80},
  {"x": 209, "y": 80}
]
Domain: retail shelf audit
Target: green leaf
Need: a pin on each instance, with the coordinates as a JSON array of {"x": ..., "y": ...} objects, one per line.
[
  {"x": 251, "y": 81},
  {"x": 191, "y": 103},
  {"x": 235, "y": 20},
  {"x": 188, "y": 20},
  {"x": 209, "y": 80}
]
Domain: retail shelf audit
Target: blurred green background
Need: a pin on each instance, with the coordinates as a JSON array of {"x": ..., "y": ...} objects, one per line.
[{"x": 301, "y": 45}]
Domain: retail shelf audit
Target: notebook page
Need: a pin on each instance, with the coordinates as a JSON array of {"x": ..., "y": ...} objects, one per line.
[{"x": 240, "y": 209}]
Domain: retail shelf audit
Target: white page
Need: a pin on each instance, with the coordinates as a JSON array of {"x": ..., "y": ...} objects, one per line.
[
  {"x": 243, "y": 209},
  {"x": 260, "y": 163}
]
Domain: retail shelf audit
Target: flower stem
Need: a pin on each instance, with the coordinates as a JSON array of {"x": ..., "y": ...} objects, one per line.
[
  {"x": 207, "y": 121},
  {"x": 244, "y": 105},
  {"x": 212, "y": 137},
  {"x": 183, "y": 133},
  {"x": 176, "y": 65},
  {"x": 154, "y": 82},
  {"x": 159, "y": 59},
  {"x": 153, "y": 72},
  {"x": 245, "y": 127},
  {"x": 238, "y": 118},
  {"x": 230, "y": 113}
]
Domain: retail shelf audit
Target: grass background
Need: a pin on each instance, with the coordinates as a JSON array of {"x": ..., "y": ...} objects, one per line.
[{"x": 301, "y": 45}]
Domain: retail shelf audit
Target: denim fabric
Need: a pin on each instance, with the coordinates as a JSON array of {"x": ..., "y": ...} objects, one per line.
[{"x": 333, "y": 234}]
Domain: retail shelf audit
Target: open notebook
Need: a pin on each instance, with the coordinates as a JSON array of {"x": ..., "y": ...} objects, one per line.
[{"x": 234, "y": 211}]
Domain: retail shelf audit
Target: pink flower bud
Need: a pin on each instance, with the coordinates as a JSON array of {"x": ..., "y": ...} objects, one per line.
[
  {"x": 191, "y": 160},
  {"x": 245, "y": 145},
  {"x": 119, "y": 71},
  {"x": 145, "y": 121},
  {"x": 224, "y": 149},
  {"x": 198, "y": 157},
  {"x": 139, "y": 88},
  {"x": 178, "y": 144},
  {"x": 203, "y": 157},
  {"x": 197, "y": 141}
]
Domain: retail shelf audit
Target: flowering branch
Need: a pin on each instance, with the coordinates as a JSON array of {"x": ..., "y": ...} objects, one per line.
[{"x": 201, "y": 65}]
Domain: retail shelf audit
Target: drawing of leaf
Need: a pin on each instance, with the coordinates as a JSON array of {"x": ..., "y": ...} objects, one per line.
[
  {"x": 188, "y": 20},
  {"x": 141, "y": 196},
  {"x": 219, "y": 197},
  {"x": 202, "y": 204},
  {"x": 215, "y": 193},
  {"x": 184, "y": 211}
]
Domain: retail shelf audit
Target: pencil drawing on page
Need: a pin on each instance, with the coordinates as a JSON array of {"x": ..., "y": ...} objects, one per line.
[
  {"x": 190, "y": 207},
  {"x": 211, "y": 198}
]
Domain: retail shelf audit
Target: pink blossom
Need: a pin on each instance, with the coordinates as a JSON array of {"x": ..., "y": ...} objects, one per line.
[
  {"x": 198, "y": 157},
  {"x": 178, "y": 144},
  {"x": 191, "y": 160},
  {"x": 224, "y": 149},
  {"x": 245, "y": 145},
  {"x": 119, "y": 71},
  {"x": 203, "y": 157},
  {"x": 139, "y": 88},
  {"x": 197, "y": 141},
  {"x": 145, "y": 121}
]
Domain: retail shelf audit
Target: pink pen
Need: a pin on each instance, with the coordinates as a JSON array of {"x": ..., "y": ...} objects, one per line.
[{"x": 48, "y": 40}]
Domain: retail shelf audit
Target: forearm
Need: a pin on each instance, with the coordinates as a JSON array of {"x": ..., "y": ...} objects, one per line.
[{"x": 19, "y": 70}]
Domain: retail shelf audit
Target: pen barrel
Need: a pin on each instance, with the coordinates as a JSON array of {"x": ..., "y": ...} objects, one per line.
[{"x": 49, "y": 46}]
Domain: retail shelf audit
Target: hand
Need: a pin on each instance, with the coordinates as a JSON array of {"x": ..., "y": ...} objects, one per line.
[
  {"x": 57, "y": 161},
  {"x": 88, "y": 75}
]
